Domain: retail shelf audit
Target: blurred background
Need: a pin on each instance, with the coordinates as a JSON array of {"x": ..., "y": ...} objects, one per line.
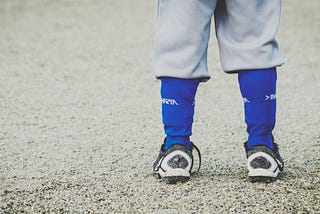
[{"x": 80, "y": 115}]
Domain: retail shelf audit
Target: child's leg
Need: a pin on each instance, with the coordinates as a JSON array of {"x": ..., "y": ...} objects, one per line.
[
  {"x": 175, "y": 159},
  {"x": 180, "y": 61},
  {"x": 178, "y": 100},
  {"x": 258, "y": 88}
]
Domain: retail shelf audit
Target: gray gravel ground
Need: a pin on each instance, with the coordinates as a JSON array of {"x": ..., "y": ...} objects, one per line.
[{"x": 81, "y": 126}]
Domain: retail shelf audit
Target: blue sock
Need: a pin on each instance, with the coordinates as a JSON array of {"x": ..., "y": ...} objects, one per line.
[
  {"x": 258, "y": 89},
  {"x": 178, "y": 100}
]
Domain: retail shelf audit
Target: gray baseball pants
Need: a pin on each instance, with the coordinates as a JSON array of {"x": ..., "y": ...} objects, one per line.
[{"x": 245, "y": 31}]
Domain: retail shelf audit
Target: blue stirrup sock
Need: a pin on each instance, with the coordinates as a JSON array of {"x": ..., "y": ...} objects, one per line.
[
  {"x": 258, "y": 89},
  {"x": 178, "y": 100}
]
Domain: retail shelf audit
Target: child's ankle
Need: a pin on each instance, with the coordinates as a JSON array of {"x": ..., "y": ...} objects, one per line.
[{"x": 182, "y": 140}]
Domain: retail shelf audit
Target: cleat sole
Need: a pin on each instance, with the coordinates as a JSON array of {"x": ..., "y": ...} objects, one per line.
[
  {"x": 262, "y": 179},
  {"x": 175, "y": 179}
]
